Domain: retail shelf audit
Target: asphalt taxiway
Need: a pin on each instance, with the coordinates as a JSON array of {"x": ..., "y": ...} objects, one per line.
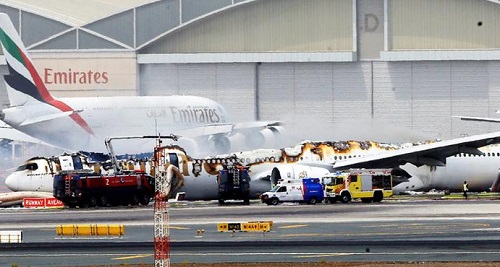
[{"x": 401, "y": 230}]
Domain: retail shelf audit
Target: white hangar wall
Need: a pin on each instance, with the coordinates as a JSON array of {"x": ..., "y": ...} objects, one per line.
[
  {"x": 392, "y": 74},
  {"x": 327, "y": 61},
  {"x": 418, "y": 96}
]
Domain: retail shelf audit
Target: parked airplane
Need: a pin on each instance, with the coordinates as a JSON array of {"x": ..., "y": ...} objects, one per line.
[
  {"x": 440, "y": 165},
  {"x": 83, "y": 123}
]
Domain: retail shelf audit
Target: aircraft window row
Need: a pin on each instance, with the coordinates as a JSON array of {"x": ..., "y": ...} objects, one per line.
[
  {"x": 102, "y": 108},
  {"x": 242, "y": 160},
  {"x": 346, "y": 157}
]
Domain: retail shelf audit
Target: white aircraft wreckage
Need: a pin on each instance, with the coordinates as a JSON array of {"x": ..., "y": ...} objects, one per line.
[
  {"x": 441, "y": 163},
  {"x": 198, "y": 176}
]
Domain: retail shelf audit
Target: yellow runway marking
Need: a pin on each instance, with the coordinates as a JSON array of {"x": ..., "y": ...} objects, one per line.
[
  {"x": 293, "y": 226},
  {"x": 133, "y": 257},
  {"x": 179, "y": 227}
]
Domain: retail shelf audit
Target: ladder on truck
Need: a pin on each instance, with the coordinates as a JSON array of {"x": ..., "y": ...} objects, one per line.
[
  {"x": 67, "y": 184},
  {"x": 236, "y": 176}
]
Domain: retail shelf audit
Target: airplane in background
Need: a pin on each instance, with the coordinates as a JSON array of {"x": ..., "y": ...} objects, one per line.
[
  {"x": 83, "y": 123},
  {"x": 438, "y": 164}
]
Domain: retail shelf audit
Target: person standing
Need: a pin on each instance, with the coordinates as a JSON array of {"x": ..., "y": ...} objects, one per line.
[{"x": 466, "y": 188}]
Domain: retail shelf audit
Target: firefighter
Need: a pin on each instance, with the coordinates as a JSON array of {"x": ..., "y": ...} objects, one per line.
[{"x": 466, "y": 188}]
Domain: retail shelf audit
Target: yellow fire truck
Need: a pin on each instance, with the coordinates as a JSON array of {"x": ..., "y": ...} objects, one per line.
[{"x": 366, "y": 184}]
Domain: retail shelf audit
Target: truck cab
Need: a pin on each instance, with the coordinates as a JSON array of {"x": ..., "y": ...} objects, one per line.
[
  {"x": 308, "y": 190},
  {"x": 366, "y": 184}
]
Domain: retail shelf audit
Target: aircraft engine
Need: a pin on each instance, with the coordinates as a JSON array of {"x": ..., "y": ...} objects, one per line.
[
  {"x": 270, "y": 137},
  {"x": 219, "y": 143},
  {"x": 247, "y": 140}
]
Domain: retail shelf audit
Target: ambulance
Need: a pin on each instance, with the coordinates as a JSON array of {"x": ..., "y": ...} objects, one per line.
[{"x": 307, "y": 190}]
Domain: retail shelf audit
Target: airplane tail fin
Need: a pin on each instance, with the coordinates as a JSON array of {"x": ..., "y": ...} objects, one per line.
[{"x": 23, "y": 83}]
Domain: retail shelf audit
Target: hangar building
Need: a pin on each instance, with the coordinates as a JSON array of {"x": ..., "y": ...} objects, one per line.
[{"x": 412, "y": 63}]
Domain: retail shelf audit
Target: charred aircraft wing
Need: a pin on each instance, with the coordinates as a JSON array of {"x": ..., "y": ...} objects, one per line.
[{"x": 431, "y": 154}]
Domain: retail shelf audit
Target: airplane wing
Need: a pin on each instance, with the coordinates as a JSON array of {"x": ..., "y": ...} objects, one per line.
[
  {"x": 227, "y": 128},
  {"x": 48, "y": 117},
  {"x": 227, "y": 137},
  {"x": 242, "y": 126},
  {"x": 486, "y": 119},
  {"x": 432, "y": 154}
]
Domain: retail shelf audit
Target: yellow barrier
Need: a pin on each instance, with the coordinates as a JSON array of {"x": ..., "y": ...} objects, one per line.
[
  {"x": 84, "y": 230},
  {"x": 67, "y": 229},
  {"x": 111, "y": 230},
  {"x": 76, "y": 230}
]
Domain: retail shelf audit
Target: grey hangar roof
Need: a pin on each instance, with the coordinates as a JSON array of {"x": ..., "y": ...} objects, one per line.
[
  {"x": 146, "y": 25},
  {"x": 103, "y": 24}
]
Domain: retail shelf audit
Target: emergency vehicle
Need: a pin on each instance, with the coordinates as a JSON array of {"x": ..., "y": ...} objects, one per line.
[
  {"x": 86, "y": 189},
  {"x": 233, "y": 183},
  {"x": 308, "y": 190},
  {"x": 366, "y": 184}
]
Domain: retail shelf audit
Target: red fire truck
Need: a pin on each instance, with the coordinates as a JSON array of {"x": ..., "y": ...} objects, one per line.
[{"x": 91, "y": 189}]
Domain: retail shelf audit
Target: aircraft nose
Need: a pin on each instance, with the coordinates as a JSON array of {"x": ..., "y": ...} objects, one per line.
[{"x": 12, "y": 183}]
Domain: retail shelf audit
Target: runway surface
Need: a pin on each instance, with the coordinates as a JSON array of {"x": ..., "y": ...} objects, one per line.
[{"x": 402, "y": 230}]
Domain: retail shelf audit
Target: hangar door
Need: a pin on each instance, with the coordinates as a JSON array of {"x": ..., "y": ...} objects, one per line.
[
  {"x": 323, "y": 92},
  {"x": 231, "y": 85}
]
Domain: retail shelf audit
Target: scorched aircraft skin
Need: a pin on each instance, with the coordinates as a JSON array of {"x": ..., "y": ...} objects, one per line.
[{"x": 198, "y": 176}]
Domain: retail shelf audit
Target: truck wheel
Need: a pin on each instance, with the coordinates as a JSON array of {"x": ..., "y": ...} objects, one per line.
[
  {"x": 274, "y": 201},
  {"x": 92, "y": 201},
  {"x": 103, "y": 201},
  {"x": 144, "y": 200},
  {"x": 377, "y": 196},
  {"x": 312, "y": 201},
  {"x": 135, "y": 200},
  {"x": 345, "y": 197}
]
